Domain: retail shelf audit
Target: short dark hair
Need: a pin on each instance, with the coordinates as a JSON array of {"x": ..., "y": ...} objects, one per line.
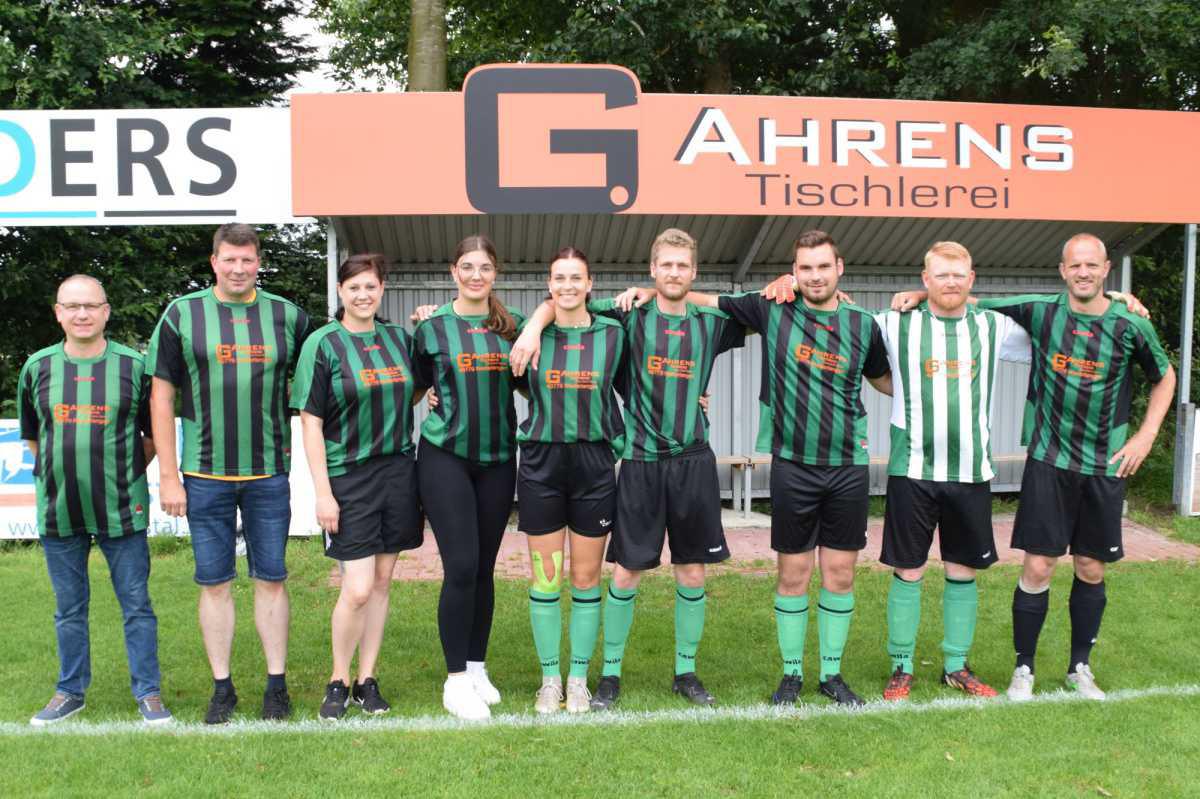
[
  {"x": 236, "y": 234},
  {"x": 811, "y": 239}
]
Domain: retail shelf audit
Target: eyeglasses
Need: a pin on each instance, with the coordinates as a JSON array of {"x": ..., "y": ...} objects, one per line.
[{"x": 75, "y": 307}]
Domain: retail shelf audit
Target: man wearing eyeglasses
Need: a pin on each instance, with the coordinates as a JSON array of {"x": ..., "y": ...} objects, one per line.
[{"x": 84, "y": 409}]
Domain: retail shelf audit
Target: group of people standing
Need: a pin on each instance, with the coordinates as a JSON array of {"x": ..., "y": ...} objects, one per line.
[{"x": 96, "y": 413}]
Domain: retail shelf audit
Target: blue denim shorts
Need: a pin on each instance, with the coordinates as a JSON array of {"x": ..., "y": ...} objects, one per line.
[{"x": 212, "y": 507}]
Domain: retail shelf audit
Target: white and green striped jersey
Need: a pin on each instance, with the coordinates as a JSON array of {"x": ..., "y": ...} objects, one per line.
[{"x": 943, "y": 377}]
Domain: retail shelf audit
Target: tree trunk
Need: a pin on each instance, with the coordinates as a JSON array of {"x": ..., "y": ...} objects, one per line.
[
  {"x": 427, "y": 47},
  {"x": 718, "y": 75}
]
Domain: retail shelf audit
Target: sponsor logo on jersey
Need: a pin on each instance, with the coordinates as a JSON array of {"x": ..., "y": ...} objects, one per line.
[
  {"x": 680, "y": 333},
  {"x": 468, "y": 362},
  {"x": 821, "y": 326},
  {"x": 569, "y": 347},
  {"x": 82, "y": 379},
  {"x": 953, "y": 368},
  {"x": 382, "y": 377},
  {"x": 660, "y": 366},
  {"x": 239, "y": 320},
  {"x": 1077, "y": 367},
  {"x": 819, "y": 359},
  {"x": 478, "y": 330},
  {"x": 243, "y": 353},
  {"x": 372, "y": 348},
  {"x": 579, "y": 379},
  {"x": 80, "y": 414},
  {"x": 1087, "y": 333}
]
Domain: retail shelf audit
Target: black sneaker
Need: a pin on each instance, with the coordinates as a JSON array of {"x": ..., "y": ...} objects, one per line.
[
  {"x": 836, "y": 689},
  {"x": 607, "y": 692},
  {"x": 337, "y": 696},
  {"x": 277, "y": 705},
  {"x": 220, "y": 707},
  {"x": 366, "y": 696},
  {"x": 788, "y": 692},
  {"x": 690, "y": 688}
]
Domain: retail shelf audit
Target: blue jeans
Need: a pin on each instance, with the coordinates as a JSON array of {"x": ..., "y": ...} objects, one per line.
[
  {"x": 129, "y": 567},
  {"x": 212, "y": 507}
]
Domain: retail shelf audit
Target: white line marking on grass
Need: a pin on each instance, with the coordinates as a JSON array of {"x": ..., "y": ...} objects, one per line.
[{"x": 629, "y": 718}]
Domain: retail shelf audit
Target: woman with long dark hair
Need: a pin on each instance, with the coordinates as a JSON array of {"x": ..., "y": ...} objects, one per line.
[
  {"x": 355, "y": 387},
  {"x": 465, "y": 463},
  {"x": 566, "y": 479}
]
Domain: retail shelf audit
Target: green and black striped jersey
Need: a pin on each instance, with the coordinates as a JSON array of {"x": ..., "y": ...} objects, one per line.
[
  {"x": 88, "y": 416},
  {"x": 230, "y": 363},
  {"x": 361, "y": 385},
  {"x": 1080, "y": 388},
  {"x": 467, "y": 365},
  {"x": 670, "y": 359},
  {"x": 813, "y": 364},
  {"x": 571, "y": 392},
  {"x": 943, "y": 381}
]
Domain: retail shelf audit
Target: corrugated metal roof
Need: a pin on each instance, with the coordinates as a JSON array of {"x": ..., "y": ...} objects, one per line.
[{"x": 422, "y": 242}]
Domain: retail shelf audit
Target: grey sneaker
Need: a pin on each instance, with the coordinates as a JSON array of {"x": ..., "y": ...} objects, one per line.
[
  {"x": 1021, "y": 687},
  {"x": 154, "y": 711},
  {"x": 60, "y": 706},
  {"x": 1084, "y": 683}
]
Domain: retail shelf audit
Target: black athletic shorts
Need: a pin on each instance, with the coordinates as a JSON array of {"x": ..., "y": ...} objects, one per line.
[
  {"x": 566, "y": 485},
  {"x": 1064, "y": 511},
  {"x": 378, "y": 509},
  {"x": 679, "y": 496},
  {"x": 961, "y": 512},
  {"x": 818, "y": 506}
]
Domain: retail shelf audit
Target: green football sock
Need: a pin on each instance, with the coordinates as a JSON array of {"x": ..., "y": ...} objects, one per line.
[
  {"x": 903, "y": 619},
  {"x": 689, "y": 626},
  {"x": 791, "y": 623},
  {"x": 585, "y": 625},
  {"x": 545, "y": 616},
  {"x": 960, "y": 605},
  {"x": 834, "y": 612},
  {"x": 618, "y": 618}
]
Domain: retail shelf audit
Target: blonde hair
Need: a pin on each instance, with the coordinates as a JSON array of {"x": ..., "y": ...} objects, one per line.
[
  {"x": 673, "y": 237},
  {"x": 951, "y": 250}
]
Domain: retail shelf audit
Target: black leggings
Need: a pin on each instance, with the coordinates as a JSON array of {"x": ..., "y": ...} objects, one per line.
[{"x": 468, "y": 506}]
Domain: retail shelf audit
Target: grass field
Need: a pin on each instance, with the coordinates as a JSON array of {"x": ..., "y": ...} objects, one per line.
[{"x": 1146, "y": 742}]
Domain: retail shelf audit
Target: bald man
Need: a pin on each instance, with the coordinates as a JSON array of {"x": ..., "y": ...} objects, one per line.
[
  {"x": 1080, "y": 450},
  {"x": 84, "y": 410}
]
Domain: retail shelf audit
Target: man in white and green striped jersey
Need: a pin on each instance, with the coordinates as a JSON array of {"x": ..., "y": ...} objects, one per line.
[{"x": 944, "y": 358}]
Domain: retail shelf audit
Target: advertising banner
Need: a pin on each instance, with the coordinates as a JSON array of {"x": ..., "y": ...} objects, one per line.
[
  {"x": 18, "y": 503},
  {"x": 145, "y": 166}
]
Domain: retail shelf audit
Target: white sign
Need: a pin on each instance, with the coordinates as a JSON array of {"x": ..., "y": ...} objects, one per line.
[
  {"x": 148, "y": 166},
  {"x": 18, "y": 503}
]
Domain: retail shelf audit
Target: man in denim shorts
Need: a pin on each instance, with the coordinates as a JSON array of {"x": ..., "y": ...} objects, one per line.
[{"x": 227, "y": 350}]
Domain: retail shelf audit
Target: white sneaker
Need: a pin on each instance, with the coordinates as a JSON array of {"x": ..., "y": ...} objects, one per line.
[
  {"x": 549, "y": 696},
  {"x": 1083, "y": 683},
  {"x": 578, "y": 696},
  {"x": 483, "y": 686},
  {"x": 461, "y": 700},
  {"x": 1021, "y": 687}
]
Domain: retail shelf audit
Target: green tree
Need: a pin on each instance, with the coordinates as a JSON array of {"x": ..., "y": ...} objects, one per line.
[{"x": 145, "y": 53}]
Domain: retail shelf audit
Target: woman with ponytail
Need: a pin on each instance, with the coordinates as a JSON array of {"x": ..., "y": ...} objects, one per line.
[
  {"x": 355, "y": 387},
  {"x": 466, "y": 466},
  {"x": 566, "y": 480}
]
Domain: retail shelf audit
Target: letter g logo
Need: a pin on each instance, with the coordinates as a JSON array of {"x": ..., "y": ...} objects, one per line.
[{"x": 619, "y": 147}]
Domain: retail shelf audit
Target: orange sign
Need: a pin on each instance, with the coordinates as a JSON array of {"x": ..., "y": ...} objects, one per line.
[{"x": 583, "y": 139}]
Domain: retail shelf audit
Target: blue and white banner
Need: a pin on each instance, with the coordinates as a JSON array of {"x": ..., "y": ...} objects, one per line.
[{"x": 18, "y": 502}]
